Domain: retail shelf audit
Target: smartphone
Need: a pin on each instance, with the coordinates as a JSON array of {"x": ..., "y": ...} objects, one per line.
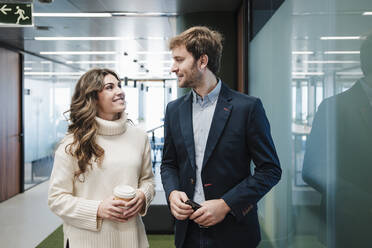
[{"x": 195, "y": 206}]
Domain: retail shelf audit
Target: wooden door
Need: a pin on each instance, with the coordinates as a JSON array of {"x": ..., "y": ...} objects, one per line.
[{"x": 10, "y": 123}]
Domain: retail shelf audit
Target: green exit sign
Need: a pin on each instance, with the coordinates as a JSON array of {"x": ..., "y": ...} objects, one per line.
[{"x": 13, "y": 14}]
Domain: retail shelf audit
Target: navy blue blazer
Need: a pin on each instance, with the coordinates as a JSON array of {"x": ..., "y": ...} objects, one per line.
[{"x": 239, "y": 133}]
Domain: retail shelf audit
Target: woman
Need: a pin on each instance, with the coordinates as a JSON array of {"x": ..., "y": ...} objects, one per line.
[{"x": 100, "y": 152}]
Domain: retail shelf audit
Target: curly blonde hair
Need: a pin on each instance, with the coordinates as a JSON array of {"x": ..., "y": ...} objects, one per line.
[{"x": 83, "y": 126}]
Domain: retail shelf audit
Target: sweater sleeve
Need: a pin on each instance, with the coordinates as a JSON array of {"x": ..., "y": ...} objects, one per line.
[
  {"x": 146, "y": 180},
  {"x": 76, "y": 211}
]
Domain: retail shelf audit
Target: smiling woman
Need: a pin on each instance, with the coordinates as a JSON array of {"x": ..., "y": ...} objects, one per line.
[
  {"x": 100, "y": 152},
  {"x": 111, "y": 98}
]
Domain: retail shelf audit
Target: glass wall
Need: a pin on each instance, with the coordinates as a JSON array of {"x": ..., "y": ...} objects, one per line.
[
  {"x": 46, "y": 98},
  {"x": 305, "y": 66}
]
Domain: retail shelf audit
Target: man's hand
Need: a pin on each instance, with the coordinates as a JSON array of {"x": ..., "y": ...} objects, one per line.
[
  {"x": 179, "y": 209},
  {"x": 111, "y": 209},
  {"x": 211, "y": 212},
  {"x": 135, "y": 205}
]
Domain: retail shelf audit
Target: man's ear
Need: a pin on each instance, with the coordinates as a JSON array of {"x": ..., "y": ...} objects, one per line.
[{"x": 203, "y": 60}]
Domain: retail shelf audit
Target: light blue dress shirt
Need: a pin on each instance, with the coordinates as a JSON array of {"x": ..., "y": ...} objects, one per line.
[{"x": 202, "y": 115}]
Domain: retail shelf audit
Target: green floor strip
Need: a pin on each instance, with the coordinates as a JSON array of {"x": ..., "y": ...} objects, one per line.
[{"x": 55, "y": 240}]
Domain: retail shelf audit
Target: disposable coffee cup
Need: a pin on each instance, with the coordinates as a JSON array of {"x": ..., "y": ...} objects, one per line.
[{"x": 124, "y": 193}]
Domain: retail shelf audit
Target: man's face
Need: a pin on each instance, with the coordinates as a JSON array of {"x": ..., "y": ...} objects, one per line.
[{"x": 185, "y": 67}]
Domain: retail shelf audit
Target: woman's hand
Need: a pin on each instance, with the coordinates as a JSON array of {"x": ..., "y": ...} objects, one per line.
[
  {"x": 111, "y": 209},
  {"x": 135, "y": 205}
]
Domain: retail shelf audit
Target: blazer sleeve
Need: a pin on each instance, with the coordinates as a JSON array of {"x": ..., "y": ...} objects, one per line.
[
  {"x": 315, "y": 159},
  {"x": 146, "y": 180},
  {"x": 267, "y": 171},
  {"x": 169, "y": 167},
  {"x": 76, "y": 211}
]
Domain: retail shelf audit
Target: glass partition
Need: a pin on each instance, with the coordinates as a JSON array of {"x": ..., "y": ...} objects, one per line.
[
  {"x": 305, "y": 66},
  {"x": 47, "y": 96}
]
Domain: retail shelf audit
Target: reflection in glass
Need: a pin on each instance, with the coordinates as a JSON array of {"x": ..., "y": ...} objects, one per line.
[
  {"x": 337, "y": 159},
  {"x": 304, "y": 65}
]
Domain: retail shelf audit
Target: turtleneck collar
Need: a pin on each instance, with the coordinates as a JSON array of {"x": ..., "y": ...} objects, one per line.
[{"x": 111, "y": 128}]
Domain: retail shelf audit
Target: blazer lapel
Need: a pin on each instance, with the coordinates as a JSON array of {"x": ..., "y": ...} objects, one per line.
[
  {"x": 185, "y": 118},
  {"x": 220, "y": 117}
]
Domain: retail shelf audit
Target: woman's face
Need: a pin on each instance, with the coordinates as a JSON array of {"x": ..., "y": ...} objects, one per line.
[{"x": 111, "y": 100}]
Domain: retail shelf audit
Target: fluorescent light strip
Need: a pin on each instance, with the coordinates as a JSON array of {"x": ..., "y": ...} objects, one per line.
[
  {"x": 341, "y": 52},
  {"x": 72, "y": 14},
  {"x": 302, "y": 52},
  {"x": 98, "y": 38},
  {"x": 367, "y": 13},
  {"x": 340, "y": 38},
  {"x": 78, "y": 53},
  {"x": 146, "y": 52},
  {"x": 54, "y": 73},
  {"x": 331, "y": 62},
  {"x": 92, "y": 62},
  {"x": 154, "y": 14},
  {"x": 154, "y": 61},
  {"x": 161, "y": 72},
  {"x": 27, "y": 68},
  {"x": 45, "y": 62},
  {"x": 307, "y": 73},
  {"x": 356, "y": 73},
  {"x": 151, "y": 73},
  {"x": 83, "y": 38}
]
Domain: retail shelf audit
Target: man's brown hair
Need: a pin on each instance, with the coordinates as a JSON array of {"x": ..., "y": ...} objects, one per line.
[{"x": 201, "y": 40}]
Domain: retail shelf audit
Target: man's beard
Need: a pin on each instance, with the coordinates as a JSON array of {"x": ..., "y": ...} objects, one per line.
[{"x": 193, "y": 79}]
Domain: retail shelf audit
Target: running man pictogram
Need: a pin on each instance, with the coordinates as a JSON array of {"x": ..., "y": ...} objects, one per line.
[{"x": 21, "y": 13}]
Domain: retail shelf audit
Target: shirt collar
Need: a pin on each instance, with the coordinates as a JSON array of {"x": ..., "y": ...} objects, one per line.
[{"x": 211, "y": 97}]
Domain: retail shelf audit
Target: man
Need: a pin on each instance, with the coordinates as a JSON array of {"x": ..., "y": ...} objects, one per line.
[
  {"x": 337, "y": 161},
  {"x": 211, "y": 135}
]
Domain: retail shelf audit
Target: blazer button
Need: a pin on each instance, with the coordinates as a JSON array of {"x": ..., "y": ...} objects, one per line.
[{"x": 192, "y": 181}]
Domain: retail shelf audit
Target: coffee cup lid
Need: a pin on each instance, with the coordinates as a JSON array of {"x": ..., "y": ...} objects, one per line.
[{"x": 124, "y": 191}]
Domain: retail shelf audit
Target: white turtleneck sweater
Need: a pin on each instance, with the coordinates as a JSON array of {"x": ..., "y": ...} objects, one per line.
[{"x": 126, "y": 161}]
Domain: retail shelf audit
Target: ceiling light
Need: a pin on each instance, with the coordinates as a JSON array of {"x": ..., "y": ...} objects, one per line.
[
  {"x": 83, "y": 38},
  {"x": 148, "y": 14},
  {"x": 302, "y": 52},
  {"x": 54, "y": 73},
  {"x": 307, "y": 73},
  {"x": 27, "y": 68},
  {"x": 72, "y": 14},
  {"x": 367, "y": 13},
  {"x": 147, "y": 52},
  {"x": 155, "y": 61},
  {"x": 340, "y": 37},
  {"x": 341, "y": 52},
  {"x": 78, "y": 53},
  {"x": 154, "y": 38},
  {"x": 331, "y": 62},
  {"x": 92, "y": 62},
  {"x": 352, "y": 73},
  {"x": 99, "y": 38}
]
